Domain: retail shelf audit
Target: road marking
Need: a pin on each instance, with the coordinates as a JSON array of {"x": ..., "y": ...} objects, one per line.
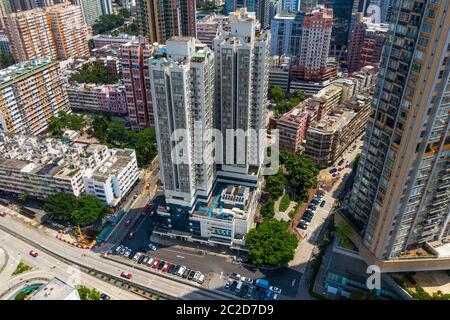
[
  {"x": 180, "y": 257},
  {"x": 293, "y": 282}
]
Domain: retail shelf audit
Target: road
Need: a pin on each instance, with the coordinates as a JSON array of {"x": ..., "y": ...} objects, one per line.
[
  {"x": 313, "y": 237},
  {"x": 45, "y": 240},
  {"x": 46, "y": 266}
]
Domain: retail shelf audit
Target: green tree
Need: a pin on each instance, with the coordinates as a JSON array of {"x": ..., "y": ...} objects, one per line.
[
  {"x": 94, "y": 72},
  {"x": 88, "y": 211},
  {"x": 277, "y": 94},
  {"x": 355, "y": 162},
  {"x": 22, "y": 198},
  {"x": 267, "y": 209},
  {"x": 271, "y": 243},
  {"x": 6, "y": 60},
  {"x": 65, "y": 120},
  {"x": 61, "y": 205},
  {"x": 275, "y": 185},
  {"x": 88, "y": 294},
  {"x": 285, "y": 202}
]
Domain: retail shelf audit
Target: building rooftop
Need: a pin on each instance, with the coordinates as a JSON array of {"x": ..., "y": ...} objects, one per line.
[
  {"x": 56, "y": 289},
  {"x": 22, "y": 70},
  {"x": 115, "y": 164}
]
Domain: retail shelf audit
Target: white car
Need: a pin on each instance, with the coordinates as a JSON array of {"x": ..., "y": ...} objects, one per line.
[
  {"x": 201, "y": 279},
  {"x": 150, "y": 261},
  {"x": 123, "y": 251},
  {"x": 137, "y": 256},
  {"x": 275, "y": 290},
  {"x": 118, "y": 249},
  {"x": 181, "y": 271},
  {"x": 197, "y": 276},
  {"x": 127, "y": 253},
  {"x": 152, "y": 246}
]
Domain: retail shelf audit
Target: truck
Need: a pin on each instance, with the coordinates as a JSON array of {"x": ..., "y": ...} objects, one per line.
[{"x": 262, "y": 283}]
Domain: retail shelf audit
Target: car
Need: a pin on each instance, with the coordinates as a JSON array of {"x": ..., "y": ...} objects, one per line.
[
  {"x": 333, "y": 170},
  {"x": 233, "y": 285},
  {"x": 131, "y": 235},
  {"x": 152, "y": 246},
  {"x": 315, "y": 201},
  {"x": 307, "y": 216},
  {"x": 275, "y": 289},
  {"x": 243, "y": 291},
  {"x": 165, "y": 267},
  {"x": 141, "y": 259},
  {"x": 126, "y": 275},
  {"x": 137, "y": 256},
  {"x": 150, "y": 261},
  {"x": 201, "y": 279},
  {"x": 171, "y": 268},
  {"x": 302, "y": 226},
  {"x": 175, "y": 269},
  {"x": 341, "y": 162},
  {"x": 128, "y": 223},
  {"x": 161, "y": 264},
  {"x": 312, "y": 208},
  {"x": 118, "y": 249},
  {"x": 275, "y": 296},
  {"x": 307, "y": 219},
  {"x": 304, "y": 222},
  {"x": 197, "y": 275},
  {"x": 228, "y": 284},
  {"x": 322, "y": 204},
  {"x": 250, "y": 293},
  {"x": 104, "y": 296},
  {"x": 144, "y": 261},
  {"x": 247, "y": 280},
  {"x": 347, "y": 164},
  {"x": 235, "y": 276},
  {"x": 2, "y": 214},
  {"x": 186, "y": 273},
  {"x": 156, "y": 263},
  {"x": 181, "y": 271},
  {"x": 122, "y": 252},
  {"x": 33, "y": 253}
]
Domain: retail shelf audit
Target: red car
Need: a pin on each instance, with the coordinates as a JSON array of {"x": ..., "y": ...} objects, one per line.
[
  {"x": 155, "y": 264},
  {"x": 33, "y": 253},
  {"x": 166, "y": 266},
  {"x": 125, "y": 275},
  {"x": 2, "y": 214},
  {"x": 127, "y": 223},
  {"x": 347, "y": 165},
  {"x": 131, "y": 235}
]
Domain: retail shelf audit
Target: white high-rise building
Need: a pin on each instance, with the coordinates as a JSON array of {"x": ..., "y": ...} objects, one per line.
[
  {"x": 183, "y": 99},
  {"x": 242, "y": 68}
]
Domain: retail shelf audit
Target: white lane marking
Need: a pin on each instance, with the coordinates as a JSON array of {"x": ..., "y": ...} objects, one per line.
[{"x": 180, "y": 257}]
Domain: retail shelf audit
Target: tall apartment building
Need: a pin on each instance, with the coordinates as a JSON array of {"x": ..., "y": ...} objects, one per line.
[
  {"x": 136, "y": 78},
  {"x": 159, "y": 20},
  {"x": 207, "y": 28},
  {"x": 342, "y": 17},
  {"x": 242, "y": 67},
  {"x": 286, "y": 30},
  {"x": 291, "y": 5},
  {"x": 5, "y": 9},
  {"x": 308, "y": 5},
  {"x": 400, "y": 198},
  {"x": 30, "y": 94},
  {"x": 260, "y": 7},
  {"x": 183, "y": 98},
  {"x": 366, "y": 44},
  {"x": 30, "y": 35},
  {"x": 69, "y": 30},
  {"x": 56, "y": 32},
  {"x": 315, "y": 45},
  {"x": 107, "y": 7},
  {"x": 92, "y": 10}
]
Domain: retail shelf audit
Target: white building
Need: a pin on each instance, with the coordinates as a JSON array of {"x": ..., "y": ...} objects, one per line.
[{"x": 56, "y": 289}]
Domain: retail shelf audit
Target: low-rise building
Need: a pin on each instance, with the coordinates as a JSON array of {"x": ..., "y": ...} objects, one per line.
[
  {"x": 327, "y": 139},
  {"x": 102, "y": 40},
  {"x": 56, "y": 289},
  {"x": 41, "y": 167},
  {"x": 97, "y": 98}
]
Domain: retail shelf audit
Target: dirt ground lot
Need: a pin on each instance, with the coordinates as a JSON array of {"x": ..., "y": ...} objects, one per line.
[{"x": 432, "y": 281}]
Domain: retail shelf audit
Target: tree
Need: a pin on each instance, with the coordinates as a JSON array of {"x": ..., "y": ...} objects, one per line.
[
  {"x": 275, "y": 185},
  {"x": 355, "y": 163},
  {"x": 285, "y": 202},
  {"x": 89, "y": 210},
  {"x": 65, "y": 120},
  {"x": 61, "y": 205},
  {"x": 22, "y": 198},
  {"x": 94, "y": 72},
  {"x": 277, "y": 94},
  {"x": 267, "y": 209},
  {"x": 88, "y": 294},
  {"x": 6, "y": 60},
  {"x": 271, "y": 243}
]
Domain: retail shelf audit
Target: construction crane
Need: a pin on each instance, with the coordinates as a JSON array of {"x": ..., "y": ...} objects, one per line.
[{"x": 82, "y": 238}]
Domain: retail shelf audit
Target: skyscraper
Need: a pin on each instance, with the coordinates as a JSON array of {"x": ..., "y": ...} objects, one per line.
[
  {"x": 286, "y": 30},
  {"x": 242, "y": 66},
  {"x": 183, "y": 98},
  {"x": 160, "y": 20},
  {"x": 30, "y": 35},
  {"x": 291, "y": 5},
  {"x": 137, "y": 82},
  {"x": 68, "y": 29},
  {"x": 260, "y": 7},
  {"x": 315, "y": 44},
  {"x": 400, "y": 198}
]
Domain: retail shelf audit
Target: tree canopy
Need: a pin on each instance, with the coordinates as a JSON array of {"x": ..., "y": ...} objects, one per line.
[
  {"x": 82, "y": 211},
  {"x": 271, "y": 243},
  {"x": 108, "y": 22},
  {"x": 114, "y": 133},
  {"x": 267, "y": 209},
  {"x": 6, "y": 60},
  {"x": 282, "y": 103},
  {"x": 65, "y": 120},
  {"x": 275, "y": 185},
  {"x": 88, "y": 294},
  {"x": 94, "y": 72},
  {"x": 355, "y": 162}
]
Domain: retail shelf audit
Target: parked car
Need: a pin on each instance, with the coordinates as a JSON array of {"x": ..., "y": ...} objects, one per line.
[
  {"x": 126, "y": 275},
  {"x": 247, "y": 280},
  {"x": 144, "y": 261},
  {"x": 156, "y": 263},
  {"x": 235, "y": 276},
  {"x": 322, "y": 204},
  {"x": 122, "y": 251},
  {"x": 176, "y": 269},
  {"x": 137, "y": 256},
  {"x": 2, "y": 214},
  {"x": 118, "y": 249},
  {"x": 127, "y": 253},
  {"x": 165, "y": 267},
  {"x": 150, "y": 261},
  {"x": 171, "y": 268},
  {"x": 201, "y": 279},
  {"x": 161, "y": 264},
  {"x": 181, "y": 271},
  {"x": 104, "y": 296},
  {"x": 197, "y": 275},
  {"x": 128, "y": 223},
  {"x": 332, "y": 170},
  {"x": 141, "y": 259},
  {"x": 33, "y": 253},
  {"x": 275, "y": 289},
  {"x": 152, "y": 246},
  {"x": 304, "y": 222},
  {"x": 341, "y": 162},
  {"x": 302, "y": 226},
  {"x": 186, "y": 273},
  {"x": 229, "y": 283},
  {"x": 249, "y": 293}
]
